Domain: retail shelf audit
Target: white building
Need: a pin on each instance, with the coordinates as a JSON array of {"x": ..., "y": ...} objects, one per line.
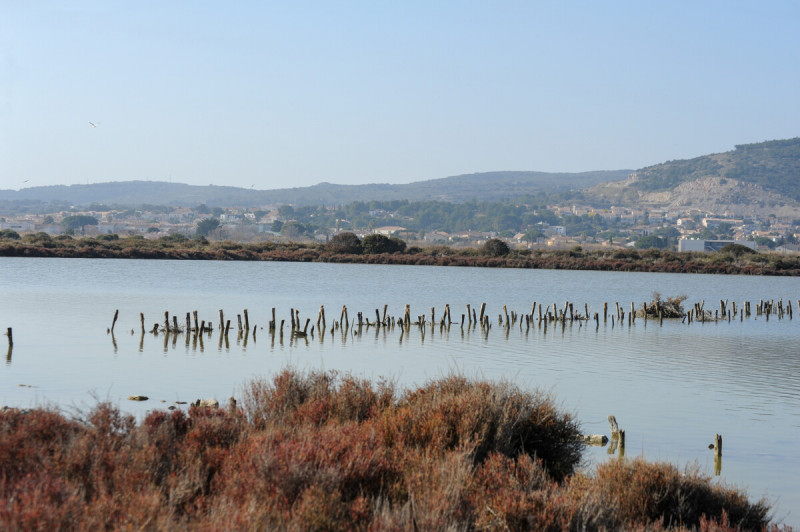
[{"x": 697, "y": 244}]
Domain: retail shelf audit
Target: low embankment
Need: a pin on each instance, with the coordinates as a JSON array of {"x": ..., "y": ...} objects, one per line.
[
  {"x": 733, "y": 261},
  {"x": 328, "y": 452}
]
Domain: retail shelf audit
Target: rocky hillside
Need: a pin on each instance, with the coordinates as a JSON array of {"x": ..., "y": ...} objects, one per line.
[{"x": 753, "y": 179}]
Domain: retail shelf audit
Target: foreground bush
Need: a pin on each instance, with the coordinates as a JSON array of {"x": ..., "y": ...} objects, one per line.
[{"x": 329, "y": 452}]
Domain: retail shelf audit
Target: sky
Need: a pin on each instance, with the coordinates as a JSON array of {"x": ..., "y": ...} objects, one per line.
[{"x": 270, "y": 95}]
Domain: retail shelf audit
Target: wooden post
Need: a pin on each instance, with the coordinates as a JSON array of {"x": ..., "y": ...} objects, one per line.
[
  {"x": 273, "y": 323},
  {"x": 141, "y": 320},
  {"x": 194, "y": 315},
  {"x": 202, "y": 327},
  {"x": 505, "y": 311},
  {"x": 474, "y": 316},
  {"x": 469, "y": 317},
  {"x": 632, "y": 313},
  {"x": 717, "y": 445},
  {"x": 612, "y": 421},
  {"x": 175, "y": 323},
  {"x": 605, "y": 312},
  {"x": 227, "y": 327},
  {"x": 188, "y": 324},
  {"x": 447, "y": 312},
  {"x": 166, "y": 321},
  {"x": 383, "y": 318},
  {"x": 239, "y": 322},
  {"x": 114, "y": 321},
  {"x": 433, "y": 315},
  {"x": 246, "y": 320},
  {"x": 10, "y": 337},
  {"x": 483, "y": 312},
  {"x": 221, "y": 321},
  {"x": 621, "y": 443}
]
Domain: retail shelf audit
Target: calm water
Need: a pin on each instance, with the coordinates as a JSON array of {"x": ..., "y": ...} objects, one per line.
[{"x": 671, "y": 387}]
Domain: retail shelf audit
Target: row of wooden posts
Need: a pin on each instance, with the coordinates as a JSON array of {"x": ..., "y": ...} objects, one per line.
[{"x": 473, "y": 318}]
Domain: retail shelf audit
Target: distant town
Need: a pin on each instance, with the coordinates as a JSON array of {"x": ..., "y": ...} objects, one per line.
[{"x": 561, "y": 226}]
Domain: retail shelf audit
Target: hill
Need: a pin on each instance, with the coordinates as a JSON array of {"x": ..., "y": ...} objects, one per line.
[
  {"x": 760, "y": 178},
  {"x": 488, "y": 186}
]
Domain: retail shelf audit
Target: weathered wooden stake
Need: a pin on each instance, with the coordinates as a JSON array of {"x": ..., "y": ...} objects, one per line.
[
  {"x": 188, "y": 324},
  {"x": 114, "y": 321},
  {"x": 141, "y": 320},
  {"x": 612, "y": 421},
  {"x": 483, "y": 312},
  {"x": 10, "y": 337},
  {"x": 246, "y": 320},
  {"x": 221, "y": 321},
  {"x": 227, "y": 327},
  {"x": 605, "y": 312},
  {"x": 194, "y": 315},
  {"x": 175, "y": 323},
  {"x": 239, "y": 322}
]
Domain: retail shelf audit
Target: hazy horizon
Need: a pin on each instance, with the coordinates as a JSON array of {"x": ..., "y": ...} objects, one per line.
[{"x": 279, "y": 96}]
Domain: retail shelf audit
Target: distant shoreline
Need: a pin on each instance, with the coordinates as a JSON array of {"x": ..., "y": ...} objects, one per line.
[{"x": 624, "y": 260}]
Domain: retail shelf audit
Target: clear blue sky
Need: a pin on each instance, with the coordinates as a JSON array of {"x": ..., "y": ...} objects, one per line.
[{"x": 284, "y": 94}]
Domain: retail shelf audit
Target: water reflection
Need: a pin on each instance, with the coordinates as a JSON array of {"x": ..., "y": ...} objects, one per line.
[{"x": 672, "y": 381}]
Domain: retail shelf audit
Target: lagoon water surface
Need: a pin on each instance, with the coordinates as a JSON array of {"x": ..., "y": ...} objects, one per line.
[{"x": 672, "y": 387}]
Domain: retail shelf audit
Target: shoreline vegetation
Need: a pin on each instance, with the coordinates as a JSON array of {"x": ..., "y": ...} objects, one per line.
[
  {"x": 329, "y": 451},
  {"x": 733, "y": 259}
]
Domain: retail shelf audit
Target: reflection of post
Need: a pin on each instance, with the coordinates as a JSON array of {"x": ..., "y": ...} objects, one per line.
[
  {"x": 113, "y": 341},
  {"x": 612, "y": 448},
  {"x": 141, "y": 341}
]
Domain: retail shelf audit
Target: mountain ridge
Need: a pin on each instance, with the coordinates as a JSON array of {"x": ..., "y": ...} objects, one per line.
[{"x": 761, "y": 177}]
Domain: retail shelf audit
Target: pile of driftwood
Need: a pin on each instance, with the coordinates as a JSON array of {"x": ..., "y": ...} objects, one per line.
[{"x": 658, "y": 308}]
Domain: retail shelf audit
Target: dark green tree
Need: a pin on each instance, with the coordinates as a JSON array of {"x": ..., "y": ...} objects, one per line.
[
  {"x": 78, "y": 221},
  {"x": 345, "y": 242},
  {"x": 651, "y": 241},
  {"x": 382, "y": 244},
  {"x": 494, "y": 247},
  {"x": 206, "y": 226},
  {"x": 293, "y": 229}
]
